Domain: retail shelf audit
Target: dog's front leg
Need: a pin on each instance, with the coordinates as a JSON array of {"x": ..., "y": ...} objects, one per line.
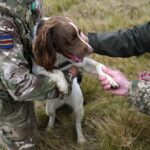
[{"x": 92, "y": 66}]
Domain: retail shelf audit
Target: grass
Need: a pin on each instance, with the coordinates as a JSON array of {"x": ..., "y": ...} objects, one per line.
[{"x": 109, "y": 122}]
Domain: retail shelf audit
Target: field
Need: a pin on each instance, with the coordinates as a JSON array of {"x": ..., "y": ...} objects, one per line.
[{"x": 109, "y": 122}]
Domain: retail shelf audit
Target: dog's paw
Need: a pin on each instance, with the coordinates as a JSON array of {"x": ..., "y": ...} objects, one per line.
[
  {"x": 61, "y": 82},
  {"x": 58, "y": 77},
  {"x": 81, "y": 140},
  {"x": 113, "y": 84},
  {"x": 100, "y": 72}
]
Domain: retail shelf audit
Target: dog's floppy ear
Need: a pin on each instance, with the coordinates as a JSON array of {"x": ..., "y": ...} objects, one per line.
[{"x": 43, "y": 49}]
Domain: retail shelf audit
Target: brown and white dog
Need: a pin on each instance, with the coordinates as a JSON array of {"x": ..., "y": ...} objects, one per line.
[{"x": 58, "y": 43}]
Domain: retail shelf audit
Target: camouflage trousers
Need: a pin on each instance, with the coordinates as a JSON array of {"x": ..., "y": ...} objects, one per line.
[{"x": 17, "y": 124}]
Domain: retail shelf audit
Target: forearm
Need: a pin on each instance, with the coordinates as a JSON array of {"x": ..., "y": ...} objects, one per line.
[
  {"x": 139, "y": 95},
  {"x": 122, "y": 43},
  {"x": 30, "y": 88},
  {"x": 23, "y": 85},
  {"x": 89, "y": 65}
]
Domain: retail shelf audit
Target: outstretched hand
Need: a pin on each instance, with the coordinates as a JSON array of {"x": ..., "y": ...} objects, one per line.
[
  {"x": 145, "y": 76},
  {"x": 119, "y": 78}
]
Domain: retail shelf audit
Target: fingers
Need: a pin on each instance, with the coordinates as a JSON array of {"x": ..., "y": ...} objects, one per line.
[
  {"x": 74, "y": 71},
  {"x": 102, "y": 78},
  {"x": 105, "y": 83},
  {"x": 141, "y": 75},
  {"x": 107, "y": 87},
  {"x": 144, "y": 76}
]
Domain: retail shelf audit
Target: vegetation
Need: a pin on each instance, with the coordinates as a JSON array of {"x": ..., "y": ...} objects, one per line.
[{"x": 109, "y": 122}]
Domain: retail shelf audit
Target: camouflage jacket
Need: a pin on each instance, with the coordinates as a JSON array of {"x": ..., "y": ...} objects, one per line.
[
  {"x": 139, "y": 95},
  {"x": 15, "y": 75}
]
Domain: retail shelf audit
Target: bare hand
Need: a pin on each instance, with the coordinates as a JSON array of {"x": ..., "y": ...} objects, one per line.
[
  {"x": 119, "y": 78},
  {"x": 145, "y": 76},
  {"x": 73, "y": 71}
]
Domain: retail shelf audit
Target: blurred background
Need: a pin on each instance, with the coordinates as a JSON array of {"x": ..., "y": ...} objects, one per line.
[{"x": 109, "y": 122}]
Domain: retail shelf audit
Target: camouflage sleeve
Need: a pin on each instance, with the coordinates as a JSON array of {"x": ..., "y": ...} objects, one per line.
[
  {"x": 139, "y": 95},
  {"x": 24, "y": 86},
  {"x": 15, "y": 75},
  {"x": 19, "y": 82}
]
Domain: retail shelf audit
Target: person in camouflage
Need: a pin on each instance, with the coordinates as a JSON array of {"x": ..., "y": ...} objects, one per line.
[
  {"x": 19, "y": 87},
  {"x": 125, "y": 43}
]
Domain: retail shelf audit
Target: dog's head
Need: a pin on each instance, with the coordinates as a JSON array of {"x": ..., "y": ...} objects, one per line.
[{"x": 59, "y": 34}]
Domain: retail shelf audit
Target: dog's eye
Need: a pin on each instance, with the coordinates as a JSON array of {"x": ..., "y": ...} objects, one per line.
[{"x": 73, "y": 37}]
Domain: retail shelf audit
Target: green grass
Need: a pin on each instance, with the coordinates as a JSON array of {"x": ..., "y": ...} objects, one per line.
[{"x": 109, "y": 122}]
